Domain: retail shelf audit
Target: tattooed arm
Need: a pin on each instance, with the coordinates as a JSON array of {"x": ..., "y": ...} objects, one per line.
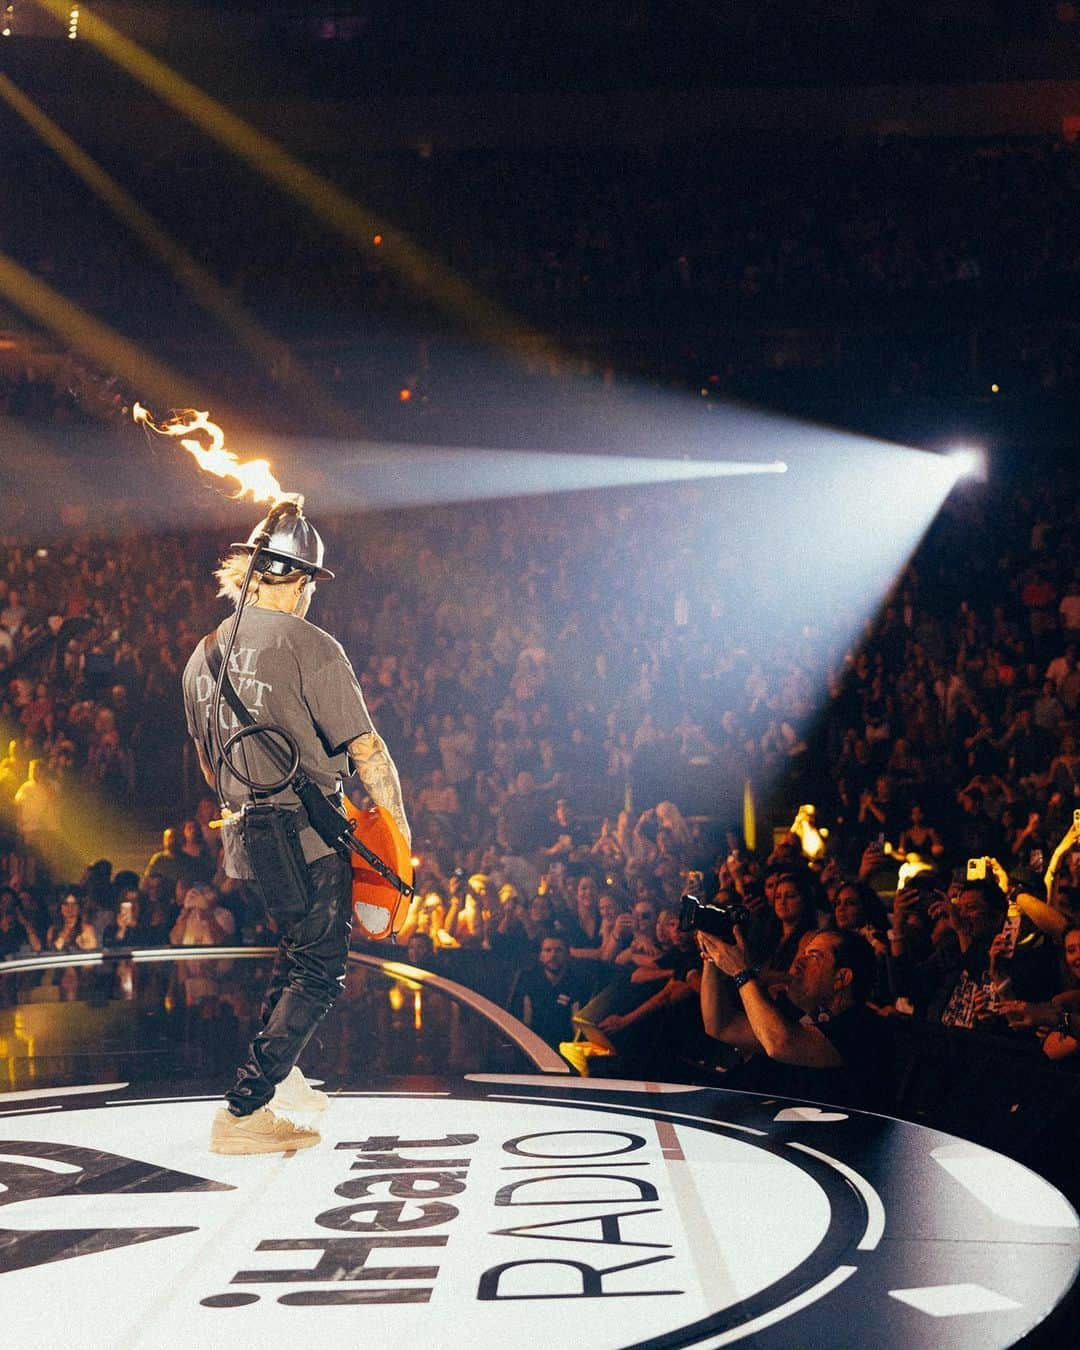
[{"x": 380, "y": 777}]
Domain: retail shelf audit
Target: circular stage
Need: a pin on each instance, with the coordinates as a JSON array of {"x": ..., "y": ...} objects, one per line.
[{"x": 478, "y": 1206}]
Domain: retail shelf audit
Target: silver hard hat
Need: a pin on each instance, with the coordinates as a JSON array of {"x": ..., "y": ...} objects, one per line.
[{"x": 294, "y": 544}]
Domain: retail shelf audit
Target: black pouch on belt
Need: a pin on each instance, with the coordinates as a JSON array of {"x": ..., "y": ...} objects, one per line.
[{"x": 271, "y": 836}]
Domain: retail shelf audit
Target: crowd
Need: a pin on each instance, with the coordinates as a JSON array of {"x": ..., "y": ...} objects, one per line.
[
  {"x": 907, "y": 266},
  {"x": 182, "y": 899},
  {"x": 601, "y": 703},
  {"x": 541, "y": 678}
]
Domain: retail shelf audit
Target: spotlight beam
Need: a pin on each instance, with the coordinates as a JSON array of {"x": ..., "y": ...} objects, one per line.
[
  {"x": 966, "y": 461},
  {"x": 410, "y": 475}
]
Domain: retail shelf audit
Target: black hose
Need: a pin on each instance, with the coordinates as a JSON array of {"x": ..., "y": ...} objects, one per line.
[{"x": 220, "y": 750}]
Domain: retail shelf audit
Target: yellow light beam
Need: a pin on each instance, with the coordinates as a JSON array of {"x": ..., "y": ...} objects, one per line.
[
  {"x": 92, "y": 339},
  {"x": 416, "y": 268},
  {"x": 195, "y": 279}
]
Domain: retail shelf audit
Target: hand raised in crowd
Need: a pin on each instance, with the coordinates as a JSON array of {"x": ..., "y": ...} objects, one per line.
[
  {"x": 908, "y": 900},
  {"x": 868, "y": 932},
  {"x": 1071, "y": 837},
  {"x": 1024, "y": 1016},
  {"x": 870, "y": 860},
  {"x": 1001, "y": 951},
  {"x": 624, "y": 926},
  {"x": 986, "y": 1005},
  {"x": 941, "y": 910},
  {"x": 831, "y": 872},
  {"x": 999, "y": 873}
]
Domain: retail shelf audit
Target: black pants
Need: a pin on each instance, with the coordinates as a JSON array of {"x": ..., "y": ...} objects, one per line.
[{"x": 309, "y": 973}]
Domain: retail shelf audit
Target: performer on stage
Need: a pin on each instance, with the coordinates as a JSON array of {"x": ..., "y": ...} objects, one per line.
[{"x": 287, "y": 672}]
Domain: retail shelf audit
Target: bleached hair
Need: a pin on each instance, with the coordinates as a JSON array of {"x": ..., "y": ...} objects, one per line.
[{"x": 231, "y": 573}]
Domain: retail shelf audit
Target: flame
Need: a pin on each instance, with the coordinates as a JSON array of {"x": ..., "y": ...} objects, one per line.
[{"x": 253, "y": 475}]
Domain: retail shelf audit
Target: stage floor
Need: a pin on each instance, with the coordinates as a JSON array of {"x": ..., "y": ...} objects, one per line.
[{"x": 468, "y": 1191}]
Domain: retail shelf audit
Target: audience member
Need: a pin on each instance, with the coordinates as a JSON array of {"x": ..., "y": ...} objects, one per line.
[
  {"x": 71, "y": 932},
  {"x": 202, "y": 921},
  {"x": 547, "y": 995},
  {"x": 837, "y": 1051}
]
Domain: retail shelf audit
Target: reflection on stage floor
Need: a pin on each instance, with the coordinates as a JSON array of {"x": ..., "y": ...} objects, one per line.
[
  {"x": 468, "y": 1191},
  {"x": 175, "y": 1017}
]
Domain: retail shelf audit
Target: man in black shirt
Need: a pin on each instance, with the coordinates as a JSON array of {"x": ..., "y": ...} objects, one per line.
[
  {"x": 837, "y": 1051},
  {"x": 548, "y": 995}
]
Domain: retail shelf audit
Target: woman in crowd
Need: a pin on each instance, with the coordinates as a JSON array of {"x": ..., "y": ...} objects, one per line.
[
  {"x": 510, "y": 939},
  {"x": 920, "y": 837},
  {"x": 200, "y": 863},
  {"x": 158, "y": 914},
  {"x": 857, "y": 908},
  {"x": 584, "y": 932},
  {"x": 202, "y": 921},
  {"x": 539, "y": 919},
  {"x": 470, "y": 912},
  {"x": 72, "y": 931},
  {"x": 775, "y": 939},
  {"x": 1059, "y": 1041}
]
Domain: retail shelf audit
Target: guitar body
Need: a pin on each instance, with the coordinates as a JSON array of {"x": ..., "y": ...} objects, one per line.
[{"x": 378, "y": 908}]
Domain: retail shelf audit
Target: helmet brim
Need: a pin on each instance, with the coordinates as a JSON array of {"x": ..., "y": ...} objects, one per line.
[{"x": 319, "y": 573}]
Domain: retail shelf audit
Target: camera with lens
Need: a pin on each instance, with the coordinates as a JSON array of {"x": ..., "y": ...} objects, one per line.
[{"x": 716, "y": 920}]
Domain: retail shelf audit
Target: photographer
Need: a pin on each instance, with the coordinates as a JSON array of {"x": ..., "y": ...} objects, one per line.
[{"x": 821, "y": 1040}]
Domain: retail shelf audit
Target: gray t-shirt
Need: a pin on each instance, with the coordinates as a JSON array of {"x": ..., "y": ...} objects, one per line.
[{"x": 286, "y": 671}]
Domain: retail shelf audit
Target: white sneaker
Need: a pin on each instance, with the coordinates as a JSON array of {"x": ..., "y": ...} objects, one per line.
[
  {"x": 295, "y": 1093},
  {"x": 260, "y": 1132}
]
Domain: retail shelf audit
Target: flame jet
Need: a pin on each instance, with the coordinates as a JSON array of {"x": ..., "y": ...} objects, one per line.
[{"x": 254, "y": 476}]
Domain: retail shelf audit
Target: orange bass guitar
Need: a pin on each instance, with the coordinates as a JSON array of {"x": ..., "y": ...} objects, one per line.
[{"x": 378, "y": 907}]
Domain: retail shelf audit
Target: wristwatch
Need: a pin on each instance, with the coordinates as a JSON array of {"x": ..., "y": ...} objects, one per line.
[{"x": 744, "y": 976}]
